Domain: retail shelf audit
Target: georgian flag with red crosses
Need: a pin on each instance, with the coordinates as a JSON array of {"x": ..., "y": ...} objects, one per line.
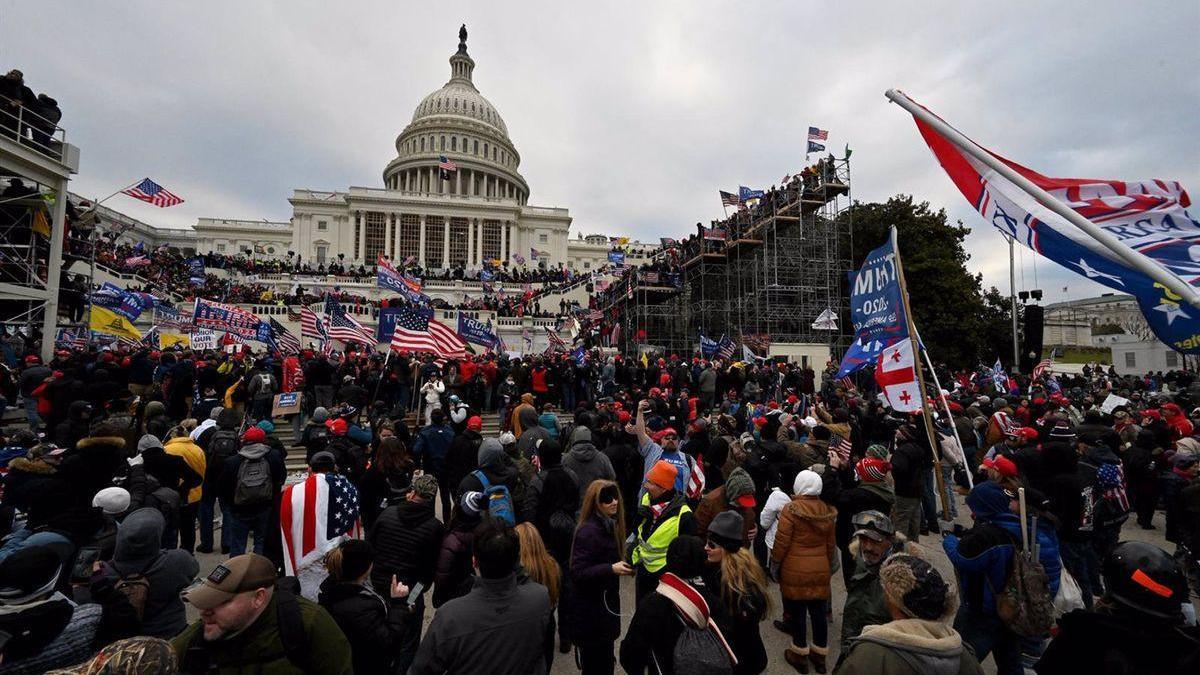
[{"x": 898, "y": 378}]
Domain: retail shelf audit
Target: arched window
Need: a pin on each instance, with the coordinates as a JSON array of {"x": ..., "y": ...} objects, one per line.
[
  {"x": 442, "y": 145},
  {"x": 422, "y": 145},
  {"x": 485, "y": 150},
  {"x": 454, "y": 142},
  {"x": 493, "y": 153},
  {"x": 455, "y": 104},
  {"x": 476, "y": 147}
]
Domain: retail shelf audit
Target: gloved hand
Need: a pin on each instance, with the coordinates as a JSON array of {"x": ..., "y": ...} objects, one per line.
[{"x": 136, "y": 460}]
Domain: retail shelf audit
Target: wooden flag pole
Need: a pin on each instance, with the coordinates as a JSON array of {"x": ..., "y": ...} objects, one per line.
[{"x": 914, "y": 342}]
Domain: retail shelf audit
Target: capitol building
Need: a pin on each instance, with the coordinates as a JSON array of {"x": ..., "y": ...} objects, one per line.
[{"x": 439, "y": 218}]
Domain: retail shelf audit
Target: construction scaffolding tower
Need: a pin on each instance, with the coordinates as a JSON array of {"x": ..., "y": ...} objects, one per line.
[
  {"x": 781, "y": 265},
  {"x": 36, "y": 164}
]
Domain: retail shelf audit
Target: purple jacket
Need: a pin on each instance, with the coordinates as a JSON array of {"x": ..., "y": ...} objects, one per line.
[{"x": 595, "y": 605}]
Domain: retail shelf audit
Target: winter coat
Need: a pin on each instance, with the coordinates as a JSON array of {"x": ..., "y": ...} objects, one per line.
[
  {"x": 910, "y": 460},
  {"x": 472, "y": 636},
  {"x": 501, "y": 474},
  {"x": 769, "y": 518},
  {"x": 863, "y": 497},
  {"x": 407, "y": 538},
  {"x": 193, "y": 457},
  {"x": 586, "y": 462},
  {"x": 431, "y": 446},
  {"x": 713, "y": 503},
  {"x": 1114, "y": 641},
  {"x": 557, "y": 503},
  {"x": 804, "y": 547},
  {"x": 377, "y": 490},
  {"x": 227, "y": 483},
  {"x": 462, "y": 456},
  {"x": 455, "y": 573},
  {"x": 741, "y": 626},
  {"x": 595, "y": 606},
  {"x": 864, "y": 594},
  {"x": 373, "y": 624},
  {"x": 656, "y": 627},
  {"x": 911, "y": 647},
  {"x": 531, "y": 432}
]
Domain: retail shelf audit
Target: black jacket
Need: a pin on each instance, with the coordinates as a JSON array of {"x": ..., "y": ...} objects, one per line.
[
  {"x": 462, "y": 457},
  {"x": 377, "y": 490},
  {"x": 909, "y": 461},
  {"x": 373, "y": 624},
  {"x": 655, "y": 629},
  {"x": 557, "y": 498},
  {"x": 407, "y": 538},
  {"x": 1121, "y": 644}
]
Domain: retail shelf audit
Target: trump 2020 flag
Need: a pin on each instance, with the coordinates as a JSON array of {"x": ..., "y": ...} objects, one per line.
[
  {"x": 897, "y": 377},
  {"x": 1148, "y": 216},
  {"x": 875, "y": 308}
]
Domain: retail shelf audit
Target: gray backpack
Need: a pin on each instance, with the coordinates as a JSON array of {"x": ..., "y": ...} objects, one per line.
[
  {"x": 699, "y": 651},
  {"x": 253, "y": 484}
]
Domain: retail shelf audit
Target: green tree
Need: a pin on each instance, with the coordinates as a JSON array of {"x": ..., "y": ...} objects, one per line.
[{"x": 960, "y": 324}]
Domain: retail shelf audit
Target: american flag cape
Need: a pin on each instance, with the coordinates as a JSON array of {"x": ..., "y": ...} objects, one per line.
[
  {"x": 314, "y": 516},
  {"x": 153, "y": 193}
]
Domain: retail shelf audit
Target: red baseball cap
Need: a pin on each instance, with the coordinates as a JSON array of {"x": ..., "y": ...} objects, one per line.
[
  {"x": 746, "y": 501},
  {"x": 1028, "y": 433},
  {"x": 475, "y": 423},
  {"x": 1002, "y": 464}
]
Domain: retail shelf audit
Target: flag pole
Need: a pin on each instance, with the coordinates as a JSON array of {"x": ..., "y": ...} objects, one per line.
[
  {"x": 1131, "y": 257},
  {"x": 914, "y": 344},
  {"x": 949, "y": 415}
]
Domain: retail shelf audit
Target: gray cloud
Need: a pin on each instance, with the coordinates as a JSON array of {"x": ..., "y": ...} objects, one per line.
[{"x": 631, "y": 114}]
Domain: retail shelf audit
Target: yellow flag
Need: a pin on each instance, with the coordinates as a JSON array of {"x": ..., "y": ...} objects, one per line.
[
  {"x": 168, "y": 340},
  {"x": 40, "y": 224},
  {"x": 109, "y": 323},
  {"x": 622, "y": 240},
  {"x": 645, "y": 360}
]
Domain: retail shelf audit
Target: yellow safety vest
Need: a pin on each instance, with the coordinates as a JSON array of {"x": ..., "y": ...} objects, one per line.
[{"x": 651, "y": 553}]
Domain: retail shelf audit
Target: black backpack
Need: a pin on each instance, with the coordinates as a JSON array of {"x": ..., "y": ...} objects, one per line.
[{"x": 222, "y": 446}]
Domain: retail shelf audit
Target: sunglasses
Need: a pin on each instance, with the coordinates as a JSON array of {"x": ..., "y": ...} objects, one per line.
[
  {"x": 608, "y": 495},
  {"x": 711, "y": 544}
]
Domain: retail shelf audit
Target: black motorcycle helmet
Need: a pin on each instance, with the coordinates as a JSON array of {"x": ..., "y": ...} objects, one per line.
[{"x": 1146, "y": 579}]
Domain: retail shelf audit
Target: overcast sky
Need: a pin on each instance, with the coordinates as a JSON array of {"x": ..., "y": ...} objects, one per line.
[{"x": 632, "y": 114}]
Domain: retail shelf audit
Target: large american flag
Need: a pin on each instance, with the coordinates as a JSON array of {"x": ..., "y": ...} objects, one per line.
[
  {"x": 1042, "y": 367},
  {"x": 284, "y": 340},
  {"x": 695, "y": 486},
  {"x": 815, "y": 134},
  {"x": 729, "y": 198},
  {"x": 840, "y": 447},
  {"x": 313, "y": 324},
  {"x": 314, "y": 516},
  {"x": 418, "y": 331},
  {"x": 149, "y": 191},
  {"x": 344, "y": 327},
  {"x": 446, "y": 164},
  {"x": 556, "y": 342}
]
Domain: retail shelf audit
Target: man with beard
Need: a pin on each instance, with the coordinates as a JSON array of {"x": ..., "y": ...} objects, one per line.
[{"x": 874, "y": 540}]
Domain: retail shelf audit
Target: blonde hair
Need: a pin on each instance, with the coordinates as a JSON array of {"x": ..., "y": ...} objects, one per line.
[
  {"x": 333, "y": 563},
  {"x": 537, "y": 562},
  {"x": 741, "y": 575},
  {"x": 591, "y": 506}
]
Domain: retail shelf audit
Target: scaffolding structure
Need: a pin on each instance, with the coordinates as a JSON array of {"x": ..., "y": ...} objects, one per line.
[
  {"x": 36, "y": 164},
  {"x": 781, "y": 266}
]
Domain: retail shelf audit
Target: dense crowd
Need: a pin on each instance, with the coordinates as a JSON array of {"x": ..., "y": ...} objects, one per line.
[{"x": 724, "y": 490}]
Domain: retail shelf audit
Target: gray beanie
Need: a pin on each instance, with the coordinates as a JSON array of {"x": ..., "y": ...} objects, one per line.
[
  {"x": 149, "y": 441},
  {"x": 491, "y": 453},
  {"x": 726, "y": 530},
  {"x": 212, "y": 414},
  {"x": 320, "y": 414},
  {"x": 738, "y": 484}
]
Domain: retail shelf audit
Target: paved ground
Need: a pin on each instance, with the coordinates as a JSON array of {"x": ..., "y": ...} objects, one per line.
[{"x": 777, "y": 641}]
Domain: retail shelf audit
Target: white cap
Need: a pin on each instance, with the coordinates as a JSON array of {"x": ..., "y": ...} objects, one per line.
[{"x": 112, "y": 500}]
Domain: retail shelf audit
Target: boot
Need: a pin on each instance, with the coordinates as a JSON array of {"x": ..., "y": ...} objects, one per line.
[
  {"x": 818, "y": 658},
  {"x": 797, "y": 657}
]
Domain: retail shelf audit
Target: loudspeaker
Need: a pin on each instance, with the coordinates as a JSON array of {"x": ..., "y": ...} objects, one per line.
[{"x": 1031, "y": 346}]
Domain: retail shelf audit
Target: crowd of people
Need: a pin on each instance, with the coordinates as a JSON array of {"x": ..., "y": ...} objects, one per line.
[
  {"x": 26, "y": 116},
  {"x": 725, "y": 491}
]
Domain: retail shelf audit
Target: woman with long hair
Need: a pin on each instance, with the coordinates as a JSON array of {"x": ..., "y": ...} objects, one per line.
[
  {"x": 383, "y": 483},
  {"x": 539, "y": 566},
  {"x": 597, "y": 564},
  {"x": 741, "y": 584},
  {"x": 373, "y": 625}
]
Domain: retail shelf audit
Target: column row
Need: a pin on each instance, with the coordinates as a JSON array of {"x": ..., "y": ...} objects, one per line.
[
  {"x": 466, "y": 182},
  {"x": 394, "y": 232}
]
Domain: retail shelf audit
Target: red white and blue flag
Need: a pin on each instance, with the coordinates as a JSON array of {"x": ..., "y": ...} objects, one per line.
[
  {"x": 897, "y": 377},
  {"x": 316, "y": 515},
  {"x": 153, "y": 193},
  {"x": 815, "y": 134},
  {"x": 446, "y": 164},
  {"x": 346, "y": 328},
  {"x": 417, "y": 331}
]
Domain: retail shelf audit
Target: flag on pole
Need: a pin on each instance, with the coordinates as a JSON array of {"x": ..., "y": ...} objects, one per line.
[
  {"x": 556, "y": 342},
  {"x": 314, "y": 517},
  {"x": 1042, "y": 367},
  {"x": 826, "y": 321},
  {"x": 814, "y": 147},
  {"x": 815, "y": 134},
  {"x": 153, "y": 193},
  {"x": 285, "y": 342},
  {"x": 729, "y": 199},
  {"x": 417, "y": 331},
  {"x": 745, "y": 194},
  {"x": 105, "y": 321},
  {"x": 725, "y": 348},
  {"x": 313, "y": 324},
  {"x": 446, "y": 164},
  {"x": 898, "y": 378}
]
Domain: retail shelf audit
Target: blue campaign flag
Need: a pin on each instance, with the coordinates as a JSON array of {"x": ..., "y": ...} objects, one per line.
[
  {"x": 476, "y": 331},
  {"x": 815, "y": 147},
  {"x": 616, "y": 257},
  {"x": 579, "y": 356},
  {"x": 746, "y": 194},
  {"x": 195, "y": 267},
  {"x": 876, "y": 309},
  {"x": 486, "y": 275},
  {"x": 708, "y": 346},
  {"x": 128, "y": 304}
]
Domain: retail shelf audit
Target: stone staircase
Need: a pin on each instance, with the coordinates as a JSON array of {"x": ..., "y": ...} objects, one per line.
[{"x": 295, "y": 460}]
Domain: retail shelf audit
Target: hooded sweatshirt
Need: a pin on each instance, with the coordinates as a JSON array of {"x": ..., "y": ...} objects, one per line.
[
  {"x": 909, "y": 646},
  {"x": 168, "y": 572},
  {"x": 585, "y": 461},
  {"x": 530, "y": 432}
]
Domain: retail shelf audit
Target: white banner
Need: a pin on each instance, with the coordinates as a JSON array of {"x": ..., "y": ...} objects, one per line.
[{"x": 204, "y": 339}]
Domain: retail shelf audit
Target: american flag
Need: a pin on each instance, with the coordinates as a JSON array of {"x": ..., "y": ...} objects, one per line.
[
  {"x": 729, "y": 199},
  {"x": 725, "y": 348},
  {"x": 695, "y": 486},
  {"x": 344, "y": 327},
  {"x": 149, "y": 191},
  {"x": 446, "y": 164},
  {"x": 815, "y": 134},
  {"x": 284, "y": 340},
  {"x": 314, "y": 516},
  {"x": 556, "y": 342},
  {"x": 840, "y": 447},
  {"x": 1042, "y": 367},
  {"x": 137, "y": 261},
  {"x": 418, "y": 331},
  {"x": 313, "y": 324}
]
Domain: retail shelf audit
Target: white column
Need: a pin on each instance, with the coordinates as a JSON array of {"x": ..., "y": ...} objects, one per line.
[
  {"x": 421, "y": 241},
  {"x": 397, "y": 224},
  {"x": 458, "y": 182},
  {"x": 445, "y": 242},
  {"x": 390, "y": 243},
  {"x": 504, "y": 241},
  {"x": 470, "y": 242}
]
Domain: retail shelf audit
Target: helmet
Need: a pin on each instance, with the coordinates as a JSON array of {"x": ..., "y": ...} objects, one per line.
[{"x": 1146, "y": 579}]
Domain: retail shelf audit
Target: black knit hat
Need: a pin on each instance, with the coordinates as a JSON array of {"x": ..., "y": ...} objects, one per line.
[
  {"x": 685, "y": 557},
  {"x": 28, "y": 574},
  {"x": 357, "y": 556}
]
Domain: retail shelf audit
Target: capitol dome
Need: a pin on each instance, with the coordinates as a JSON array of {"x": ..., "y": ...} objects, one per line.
[{"x": 456, "y": 122}]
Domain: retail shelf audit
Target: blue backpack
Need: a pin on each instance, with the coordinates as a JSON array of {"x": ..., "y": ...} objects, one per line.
[{"x": 500, "y": 505}]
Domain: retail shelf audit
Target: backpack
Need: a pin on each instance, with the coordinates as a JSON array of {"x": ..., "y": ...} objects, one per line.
[
  {"x": 135, "y": 587},
  {"x": 222, "y": 446},
  {"x": 500, "y": 503},
  {"x": 698, "y": 651},
  {"x": 253, "y": 485},
  {"x": 1025, "y": 604}
]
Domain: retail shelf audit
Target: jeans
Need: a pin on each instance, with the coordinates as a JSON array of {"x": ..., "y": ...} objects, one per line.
[
  {"x": 207, "y": 512},
  {"x": 988, "y": 635},
  {"x": 56, "y": 542},
  {"x": 595, "y": 657},
  {"x": 31, "y": 414},
  {"x": 1079, "y": 558},
  {"x": 948, "y": 488},
  {"x": 798, "y": 612},
  {"x": 241, "y": 529}
]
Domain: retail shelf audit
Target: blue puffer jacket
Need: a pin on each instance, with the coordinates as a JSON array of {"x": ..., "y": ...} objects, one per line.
[{"x": 983, "y": 556}]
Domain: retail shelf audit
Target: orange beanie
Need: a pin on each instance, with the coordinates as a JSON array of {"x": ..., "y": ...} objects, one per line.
[{"x": 662, "y": 474}]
